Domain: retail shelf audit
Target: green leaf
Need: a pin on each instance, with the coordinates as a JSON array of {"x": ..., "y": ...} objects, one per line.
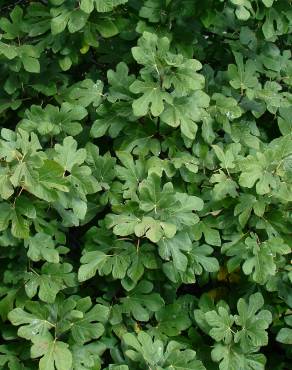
[
  {"x": 176, "y": 357},
  {"x": 247, "y": 203},
  {"x": 42, "y": 247},
  {"x": 6, "y": 188},
  {"x": 226, "y": 109},
  {"x": 102, "y": 167},
  {"x": 121, "y": 259},
  {"x": 173, "y": 319},
  {"x": 185, "y": 78},
  {"x": 87, "y": 92},
  {"x": 201, "y": 259},
  {"x": 152, "y": 10},
  {"x": 9, "y": 51},
  {"x": 52, "y": 121},
  {"x": 224, "y": 186},
  {"x": 120, "y": 82},
  {"x": 19, "y": 216},
  {"x": 152, "y": 197},
  {"x": 185, "y": 112},
  {"x": 13, "y": 28},
  {"x": 143, "y": 348},
  {"x": 87, "y": 6},
  {"x": 284, "y": 121},
  {"x": 243, "y": 9},
  {"x": 30, "y": 64},
  {"x": 145, "y": 177},
  {"x": 227, "y": 158},
  {"x": 33, "y": 323},
  {"x": 154, "y": 230},
  {"x": 273, "y": 25},
  {"x": 67, "y": 154},
  {"x": 117, "y": 264},
  {"x": 91, "y": 325},
  {"x": 150, "y": 50},
  {"x": 285, "y": 336},
  {"x": 212, "y": 236},
  {"x": 123, "y": 225},
  {"x": 231, "y": 357},
  {"x": 51, "y": 176},
  {"x": 54, "y": 354},
  {"x": 91, "y": 261},
  {"x": 51, "y": 279},
  {"x": 261, "y": 263},
  {"x": 107, "y": 28},
  {"x": 174, "y": 207},
  {"x": 132, "y": 172},
  {"x": 107, "y": 5},
  {"x": 253, "y": 321},
  {"x": 171, "y": 70},
  {"x": 254, "y": 171},
  {"x": 176, "y": 248},
  {"x": 65, "y": 63},
  {"x": 268, "y": 3},
  {"x": 9, "y": 356},
  {"x": 86, "y": 357},
  {"x": 221, "y": 324},
  {"x": 140, "y": 303},
  {"x": 112, "y": 119},
  {"x": 60, "y": 20},
  {"x": 152, "y": 98},
  {"x": 242, "y": 76}
]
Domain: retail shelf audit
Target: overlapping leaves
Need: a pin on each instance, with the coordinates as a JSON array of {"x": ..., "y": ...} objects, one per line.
[{"x": 145, "y": 174}]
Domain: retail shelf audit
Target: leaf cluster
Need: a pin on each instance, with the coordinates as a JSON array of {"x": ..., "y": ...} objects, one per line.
[{"x": 145, "y": 185}]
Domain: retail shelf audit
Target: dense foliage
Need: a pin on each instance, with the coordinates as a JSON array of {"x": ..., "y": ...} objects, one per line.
[{"x": 146, "y": 184}]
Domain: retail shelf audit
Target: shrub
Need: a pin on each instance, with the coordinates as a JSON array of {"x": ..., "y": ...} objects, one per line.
[{"x": 145, "y": 184}]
